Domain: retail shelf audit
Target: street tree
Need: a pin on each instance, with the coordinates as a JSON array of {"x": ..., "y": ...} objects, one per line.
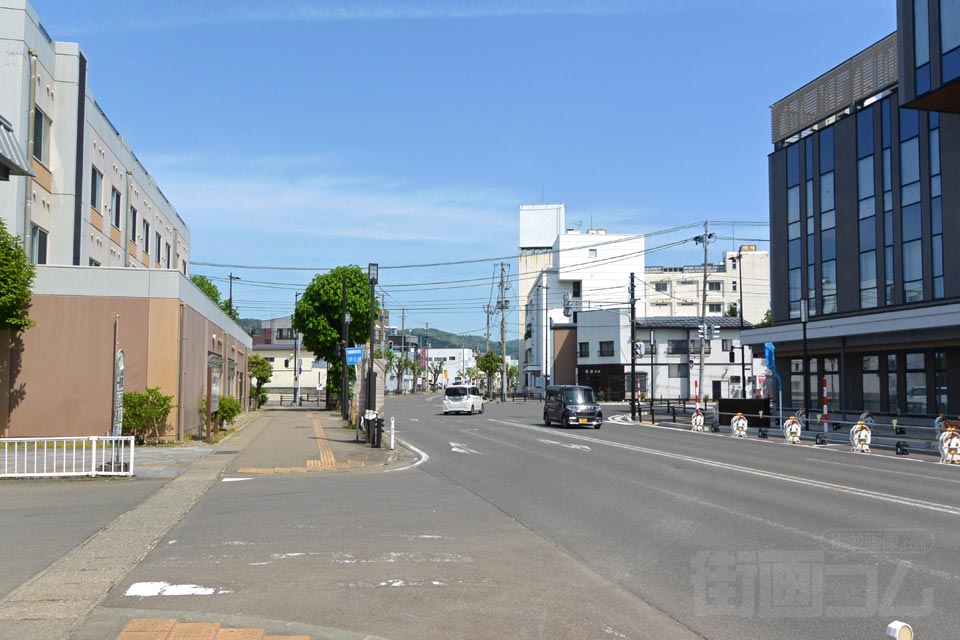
[
  {"x": 400, "y": 366},
  {"x": 16, "y": 276},
  {"x": 489, "y": 363},
  {"x": 319, "y": 318},
  {"x": 732, "y": 311},
  {"x": 436, "y": 370},
  {"x": 260, "y": 370},
  {"x": 766, "y": 321},
  {"x": 211, "y": 291}
]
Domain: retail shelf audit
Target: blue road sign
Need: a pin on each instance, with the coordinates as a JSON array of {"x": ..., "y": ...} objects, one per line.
[{"x": 354, "y": 355}]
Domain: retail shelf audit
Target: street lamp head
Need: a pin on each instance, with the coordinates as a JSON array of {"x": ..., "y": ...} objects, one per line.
[
  {"x": 346, "y": 318},
  {"x": 373, "y": 272}
]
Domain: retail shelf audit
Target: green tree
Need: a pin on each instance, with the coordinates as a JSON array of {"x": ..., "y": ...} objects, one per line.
[
  {"x": 16, "y": 276},
  {"x": 513, "y": 373},
  {"x": 489, "y": 363},
  {"x": 318, "y": 317},
  {"x": 436, "y": 370},
  {"x": 732, "y": 311},
  {"x": 211, "y": 291},
  {"x": 260, "y": 370},
  {"x": 766, "y": 321},
  {"x": 146, "y": 412},
  {"x": 400, "y": 366}
]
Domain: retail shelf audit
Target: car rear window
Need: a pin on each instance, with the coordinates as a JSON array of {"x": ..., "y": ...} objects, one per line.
[{"x": 456, "y": 392}]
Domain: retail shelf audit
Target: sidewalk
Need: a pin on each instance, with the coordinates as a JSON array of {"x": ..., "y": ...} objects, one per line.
[{"x": 61, "y": 596}]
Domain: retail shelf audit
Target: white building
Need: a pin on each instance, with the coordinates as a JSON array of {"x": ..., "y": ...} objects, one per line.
[
  {"x": 456, "y": 363},
  {"x": 90, "y": 202},
  {"x": 277, "y": 343},
  {"x": 678, "y": 291},
  {"x": 588, "y": 271},
  {"x": 673, "y": 361}
]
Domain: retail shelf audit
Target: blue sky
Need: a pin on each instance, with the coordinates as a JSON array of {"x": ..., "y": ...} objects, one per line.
[{"x": 312, "y": 133}]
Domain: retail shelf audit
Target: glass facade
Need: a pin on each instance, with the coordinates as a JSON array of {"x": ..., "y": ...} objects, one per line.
[
  {"x": 828, "y": 224},
  {"x": 936, "y": 206},
  {"x": 910, "y": 208},
  {"x": 867, "y": 208}
]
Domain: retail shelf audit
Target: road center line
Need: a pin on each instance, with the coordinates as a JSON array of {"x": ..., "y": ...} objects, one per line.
[{"x": 865, "y": 493}]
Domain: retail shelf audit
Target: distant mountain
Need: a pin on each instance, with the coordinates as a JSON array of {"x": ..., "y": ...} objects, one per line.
[
  {"x": 439, "y": 339},
  {"x": 250, "y": 325}
]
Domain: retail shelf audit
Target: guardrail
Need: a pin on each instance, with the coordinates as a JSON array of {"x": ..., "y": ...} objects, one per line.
[{"x": 66, "y": 457}]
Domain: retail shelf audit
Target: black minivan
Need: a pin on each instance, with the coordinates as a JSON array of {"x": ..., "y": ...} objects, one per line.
[{"x": 571, "y": 405}]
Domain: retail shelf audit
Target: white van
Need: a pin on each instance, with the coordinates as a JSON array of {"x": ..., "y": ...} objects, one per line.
[{"x": 462, "y": 399}]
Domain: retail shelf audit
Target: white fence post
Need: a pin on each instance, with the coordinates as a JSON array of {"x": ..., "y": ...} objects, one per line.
[{"x": 392, "y": 425}]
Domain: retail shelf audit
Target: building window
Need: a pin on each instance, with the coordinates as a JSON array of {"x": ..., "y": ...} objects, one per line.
[
  {"x": 93, "y": 263},
  {"x": 936, "y": 206},
  {"x": 166, "y": 253},
  {"x": 592, "y": 253},
  {"x": 714, "y": 286},
  {"x": 871, "y": 382},
  {"x": 606, "y": 348},
  {"x": 677, "y": 347},
  {"x": 584, "y": 349},
  {"x": 146, "y": 237},
  {"x": 678, "y": 370},
  {"x": 715, "y": 308},
  {"x": 115, "y": 207},
  {"x": 910, "y": 221},
  {"x": 157, "y": 244},
  {"x": 38, "y": 245},
  {"x": 287, "y": 334},
  {"x": 577, "y": 288},
  {"x": 695, "y": 347},
  {"x": 661, "y": 287},
  {"x": 893, "y": 398},
  {"x": 828, "y": 266},
  {"x": 887, "y": 179},
  {"x": 940, "y": 371},
  {"x": 950, "y": 39},
  {"x": 133, "y": 225},
  {"x": 41, "y": 136},
  {"x": 916, "y": 383},
  {"x": 867, "y": 209},
  {"x": 921, "y": 45},
  {"x": 726, "y": 345},
  {"x": 96, "y": 189}
]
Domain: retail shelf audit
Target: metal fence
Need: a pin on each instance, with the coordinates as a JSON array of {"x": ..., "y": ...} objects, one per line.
[{"x": 66, "y": 457}]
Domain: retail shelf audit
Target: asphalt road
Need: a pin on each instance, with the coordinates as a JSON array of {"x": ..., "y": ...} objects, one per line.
[{"x": 733, "y": 538}]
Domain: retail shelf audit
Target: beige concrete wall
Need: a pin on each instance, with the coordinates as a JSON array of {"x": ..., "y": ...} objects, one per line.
[
  {"x": 564, "y": 355},
  {"x": 163, "y": 356},
  {"x": 65, "y": 378}
]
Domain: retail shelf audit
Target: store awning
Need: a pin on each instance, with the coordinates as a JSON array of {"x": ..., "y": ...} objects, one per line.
[{"x": 12, "y": 160}]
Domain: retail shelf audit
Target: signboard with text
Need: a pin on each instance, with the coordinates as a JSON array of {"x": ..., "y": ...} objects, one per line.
[
  {"x": 117, "y": 429},
  {"x": 354, "y": 355}
]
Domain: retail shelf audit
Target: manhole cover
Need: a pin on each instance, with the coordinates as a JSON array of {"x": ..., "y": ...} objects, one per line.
[{"x": 225, "y": 453}]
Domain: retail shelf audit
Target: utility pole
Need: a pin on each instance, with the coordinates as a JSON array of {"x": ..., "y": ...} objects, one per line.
[
  {"x": 383, "y": 332},
  {"x": 344, "y": 342},
  {"x": 425, "y": 357},
  {"x": 403, "y": 350},
  {"x": 502, "y": 305},
  {"x": 705, "y": 240},
  {"x": 373, "y": 275},
  {"x": 743, "y": 361},
  {"x": 546, "y": 331},
  {"x": 633, "y": 348},
  {"x": 489, "y": 311},
  {"x": 232, "y": 277},
  {"x": 296, "y": 356}
]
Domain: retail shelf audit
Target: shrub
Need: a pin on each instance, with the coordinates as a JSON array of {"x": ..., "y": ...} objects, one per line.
[
  {"x": 228, "y": 409},
  {"x": 146, "y": 412}
]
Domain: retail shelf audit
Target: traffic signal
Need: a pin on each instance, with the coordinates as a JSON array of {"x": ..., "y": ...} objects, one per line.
[
  {"x": 733, "y": 356},
  {"x": 286, "y": 363}
]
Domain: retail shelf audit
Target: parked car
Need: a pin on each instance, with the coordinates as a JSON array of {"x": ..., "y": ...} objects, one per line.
[
  {"x": 462, "y": 399},
  {"x": 571, "y": 405}
]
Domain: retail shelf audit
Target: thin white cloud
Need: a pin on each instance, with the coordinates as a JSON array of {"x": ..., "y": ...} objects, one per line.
[{"x": 225, "y": 13}]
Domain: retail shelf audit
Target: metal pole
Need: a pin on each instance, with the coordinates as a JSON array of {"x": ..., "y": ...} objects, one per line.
[
  {"x": 371, "y": 380},
  {"x": 344, "y": 340},
  {"x": 296, "y": 355},
  {"x": 633, "y": 349},
  {"x": 743, "y": 361},
  {"x": 653, "y": 363},
  {"x": 503, "y": 333},
  {"x": 705, "y": 238},
  {"x": 403, "y": 350},
  {"x": 392, "y": 425},
  {"x": 804, "y": 317}
]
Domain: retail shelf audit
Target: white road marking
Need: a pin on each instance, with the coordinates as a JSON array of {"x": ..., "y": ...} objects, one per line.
[
  {"x": 151, "y": 589},
  {"x": 414, "y": 419},
  {"x": 236, "y": 479},
  {"x": 806, "y": 482},
  {"x": 901, "y": 473},
  {"x": 579, "y": 447},
  {"x": 423, "y": 457},
  {"x": 459, "y": 447}
]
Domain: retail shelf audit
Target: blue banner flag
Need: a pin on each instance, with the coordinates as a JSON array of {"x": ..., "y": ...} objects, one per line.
[{"x": 770, "y": 351}]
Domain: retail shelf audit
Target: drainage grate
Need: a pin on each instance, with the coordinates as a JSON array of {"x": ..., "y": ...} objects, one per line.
[{"x": 225, "y": 453}]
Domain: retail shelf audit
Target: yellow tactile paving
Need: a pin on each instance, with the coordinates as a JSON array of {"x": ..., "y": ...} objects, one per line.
[
  {"x": 194, "y": 631},
  {"x": 240, "y": 634},
  {"x": 150, "y": 624},
  {"x": 172, "y": 629},
  {"x": 327, "y": 460}
]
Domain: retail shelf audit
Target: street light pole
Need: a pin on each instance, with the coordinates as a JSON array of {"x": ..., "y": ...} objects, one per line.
[
  {"x": 633, "y": 349},
  {"x": 344, "y": 342},
  {"x": 296, "y": 356},
  {"x": 232, "y": 277},
  {"x": 804, "y": 317},
  {"x": 373, "y": 271}
]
